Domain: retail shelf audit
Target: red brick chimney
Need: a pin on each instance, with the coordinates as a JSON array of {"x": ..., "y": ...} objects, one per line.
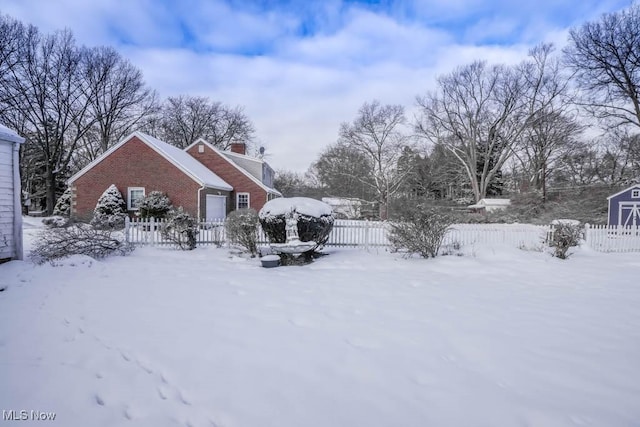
[{"x": 238, "y": 147}]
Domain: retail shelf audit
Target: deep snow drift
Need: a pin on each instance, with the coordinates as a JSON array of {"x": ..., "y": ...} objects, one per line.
[{"x": 165, "y": 338}]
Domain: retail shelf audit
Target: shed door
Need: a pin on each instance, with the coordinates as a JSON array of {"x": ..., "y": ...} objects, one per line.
[
  {"x": 216, "y": 207},
  {"x": 629, "y": 214}
]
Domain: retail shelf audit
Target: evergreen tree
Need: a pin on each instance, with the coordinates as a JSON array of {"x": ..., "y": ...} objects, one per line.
[{"x": 110, "y": 210}]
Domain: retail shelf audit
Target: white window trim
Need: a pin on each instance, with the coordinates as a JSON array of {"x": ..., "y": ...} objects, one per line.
[
  {"x": 635, "y": 193},
  {"x": 129, "y": 190},
  {"x": 238, "y": 200}
]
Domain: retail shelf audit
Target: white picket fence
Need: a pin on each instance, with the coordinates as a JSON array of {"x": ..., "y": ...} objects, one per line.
[
  {"x": 603, "y": 238},
  {"x": 372, "y": 234}
]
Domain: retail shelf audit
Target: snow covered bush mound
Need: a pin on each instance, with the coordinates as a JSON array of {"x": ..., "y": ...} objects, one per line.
[
  {"x": 242, "y": 229},
  {"x": 156, "y": 204},
  {"x": 315, "y": 219},
  {"x": 63, "y": 205},
  {"x": 111, "y": 210}
]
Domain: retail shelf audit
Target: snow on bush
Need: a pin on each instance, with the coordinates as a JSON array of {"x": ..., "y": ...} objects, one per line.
[
  {"x": 63, "y": 205},
  {"x": 315, "y": 219},
  {"x": 180, "y": 229},
  {"x": 110, "y": 210},
  {"x": 82, "y": 239},
  {"x": 242, "y": 229},
  {"x": 420, "y": 231},
  {"x": 566, "y": 234},
  {"x": 156, "y": 204},
  {"x": 56, "y": 221}
]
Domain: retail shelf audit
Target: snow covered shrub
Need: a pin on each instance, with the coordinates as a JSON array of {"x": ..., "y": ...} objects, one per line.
[
  {"x": 420, "y": 231},
  {"x": 315, "y": 220},
  {"x": 110, "y": 211},
  {"x": 56, "y": 221},
  {"x": 63, "y": 205},
  {"x": 156, "y": 204},
  {"x": 242, "y": 229},
  {"x": 565, "y": 236},
  {"x": 180, "y": 229},
  {"x": 82, "y": 239}
]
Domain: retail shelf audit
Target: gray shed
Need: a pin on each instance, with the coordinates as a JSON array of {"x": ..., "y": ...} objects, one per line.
[
  {"x": 10, "y": 201},
  {"x": 624, "y": 207}
]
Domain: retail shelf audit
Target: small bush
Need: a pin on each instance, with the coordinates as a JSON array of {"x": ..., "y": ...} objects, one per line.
[
  {"x": 565, "y": 236},
  {"x": 420, "y": 231},
  {"x": 156, "y": 204},
  {"x": 63, "y": 205},
  {"x": 82, "y": 239},
  {"x": 110, "y": 210},
  {"x": 242, "y": 229},
  {"x": 180, "y": 229},
  {"x": 56, "y": 221}
]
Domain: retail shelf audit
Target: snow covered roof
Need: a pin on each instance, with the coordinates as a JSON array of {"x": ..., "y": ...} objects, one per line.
[
  {"x": 302, "y": 205},
  {"x": 181, "y": 159},
  {"x": 483, "y": 203},
  {"x": 337, "y": 201},
  {"x": 7, "y": 134},
  {"x": 623, "y": 191},
  {"x": 235, "y": 165}
]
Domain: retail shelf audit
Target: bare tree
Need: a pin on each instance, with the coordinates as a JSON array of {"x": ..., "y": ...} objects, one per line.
[
  {"x": 343, "y": 171},
  {"x": 480, "y": 112},
  {"x": 119, "y": 100},
  {"x": 376, "y": 133},
  {"x": 184, "y": 119},
  {"x": 48, "y": 98},
  {"x": 605, "y": 56}
]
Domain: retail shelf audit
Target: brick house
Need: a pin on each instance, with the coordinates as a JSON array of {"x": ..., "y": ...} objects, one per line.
[
  {"x": 251, "y": 178},
  {"x": 140, "y": 164}
]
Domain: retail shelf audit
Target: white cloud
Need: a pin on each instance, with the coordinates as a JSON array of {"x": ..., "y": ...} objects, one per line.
[{"x": 317, "y": 62}]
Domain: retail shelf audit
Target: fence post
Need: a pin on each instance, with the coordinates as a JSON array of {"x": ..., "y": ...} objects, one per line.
[
  {"x": 586, "y": 234},
  {"x": 152, "y": 229},
  {"x": 366, "y": 235},
  {"x": 126, "y": 228}
]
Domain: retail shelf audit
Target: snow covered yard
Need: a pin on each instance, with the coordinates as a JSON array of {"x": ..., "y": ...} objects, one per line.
[{"x": 162, "y": 338}]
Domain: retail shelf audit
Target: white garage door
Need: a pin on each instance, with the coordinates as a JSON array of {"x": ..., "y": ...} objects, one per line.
[{"x": 216, "y": 207}]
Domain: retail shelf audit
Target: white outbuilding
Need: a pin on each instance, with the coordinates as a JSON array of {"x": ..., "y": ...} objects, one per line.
[
  {"x": 490, "y": 205},
  {"x": 10, "y": 203}
]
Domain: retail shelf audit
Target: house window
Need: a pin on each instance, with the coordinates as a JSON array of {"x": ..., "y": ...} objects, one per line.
[
  {"x": 134, "y": 197},
  {"x": 242, "y": 201},
  {"x": 271, "y": 196},
  {"x": 635, "y": 194},
  {"x": 200, "y": 148}
]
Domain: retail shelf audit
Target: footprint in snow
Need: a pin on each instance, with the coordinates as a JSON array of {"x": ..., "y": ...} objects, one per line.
[
  {"x": 99, "y": 400},
  {"x": 163, "y": 393},
  {"x": 364, "y": 343}
]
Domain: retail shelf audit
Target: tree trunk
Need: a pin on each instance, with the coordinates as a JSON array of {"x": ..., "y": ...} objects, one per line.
[{"x": 50, "y": 191}]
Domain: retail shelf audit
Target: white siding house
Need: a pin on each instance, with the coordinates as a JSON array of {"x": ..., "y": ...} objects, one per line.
[{"x": 10, "y": 203}]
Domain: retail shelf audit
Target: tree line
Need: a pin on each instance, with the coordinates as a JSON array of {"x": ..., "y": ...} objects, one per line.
[
  {"x": 565, "y": 119},
  {"x": 72, "y": 103}
]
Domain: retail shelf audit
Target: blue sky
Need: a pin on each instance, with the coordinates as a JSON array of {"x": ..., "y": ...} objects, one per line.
[{"x": 300, "y": 68}]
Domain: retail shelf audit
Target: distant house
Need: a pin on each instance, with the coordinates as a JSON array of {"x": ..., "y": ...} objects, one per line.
[
  {"x": 624, "y": 207},
  {"x": 10, "y": 192},
  {"x": 141, "y": 163},
  {"x": 489, "y": 205},
  {"x": 344, "y": 208}
]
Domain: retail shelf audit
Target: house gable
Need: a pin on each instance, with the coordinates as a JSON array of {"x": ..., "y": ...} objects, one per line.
[
  {"x": 133, "y": 163},
  {"x": 241, "y": 180}
]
